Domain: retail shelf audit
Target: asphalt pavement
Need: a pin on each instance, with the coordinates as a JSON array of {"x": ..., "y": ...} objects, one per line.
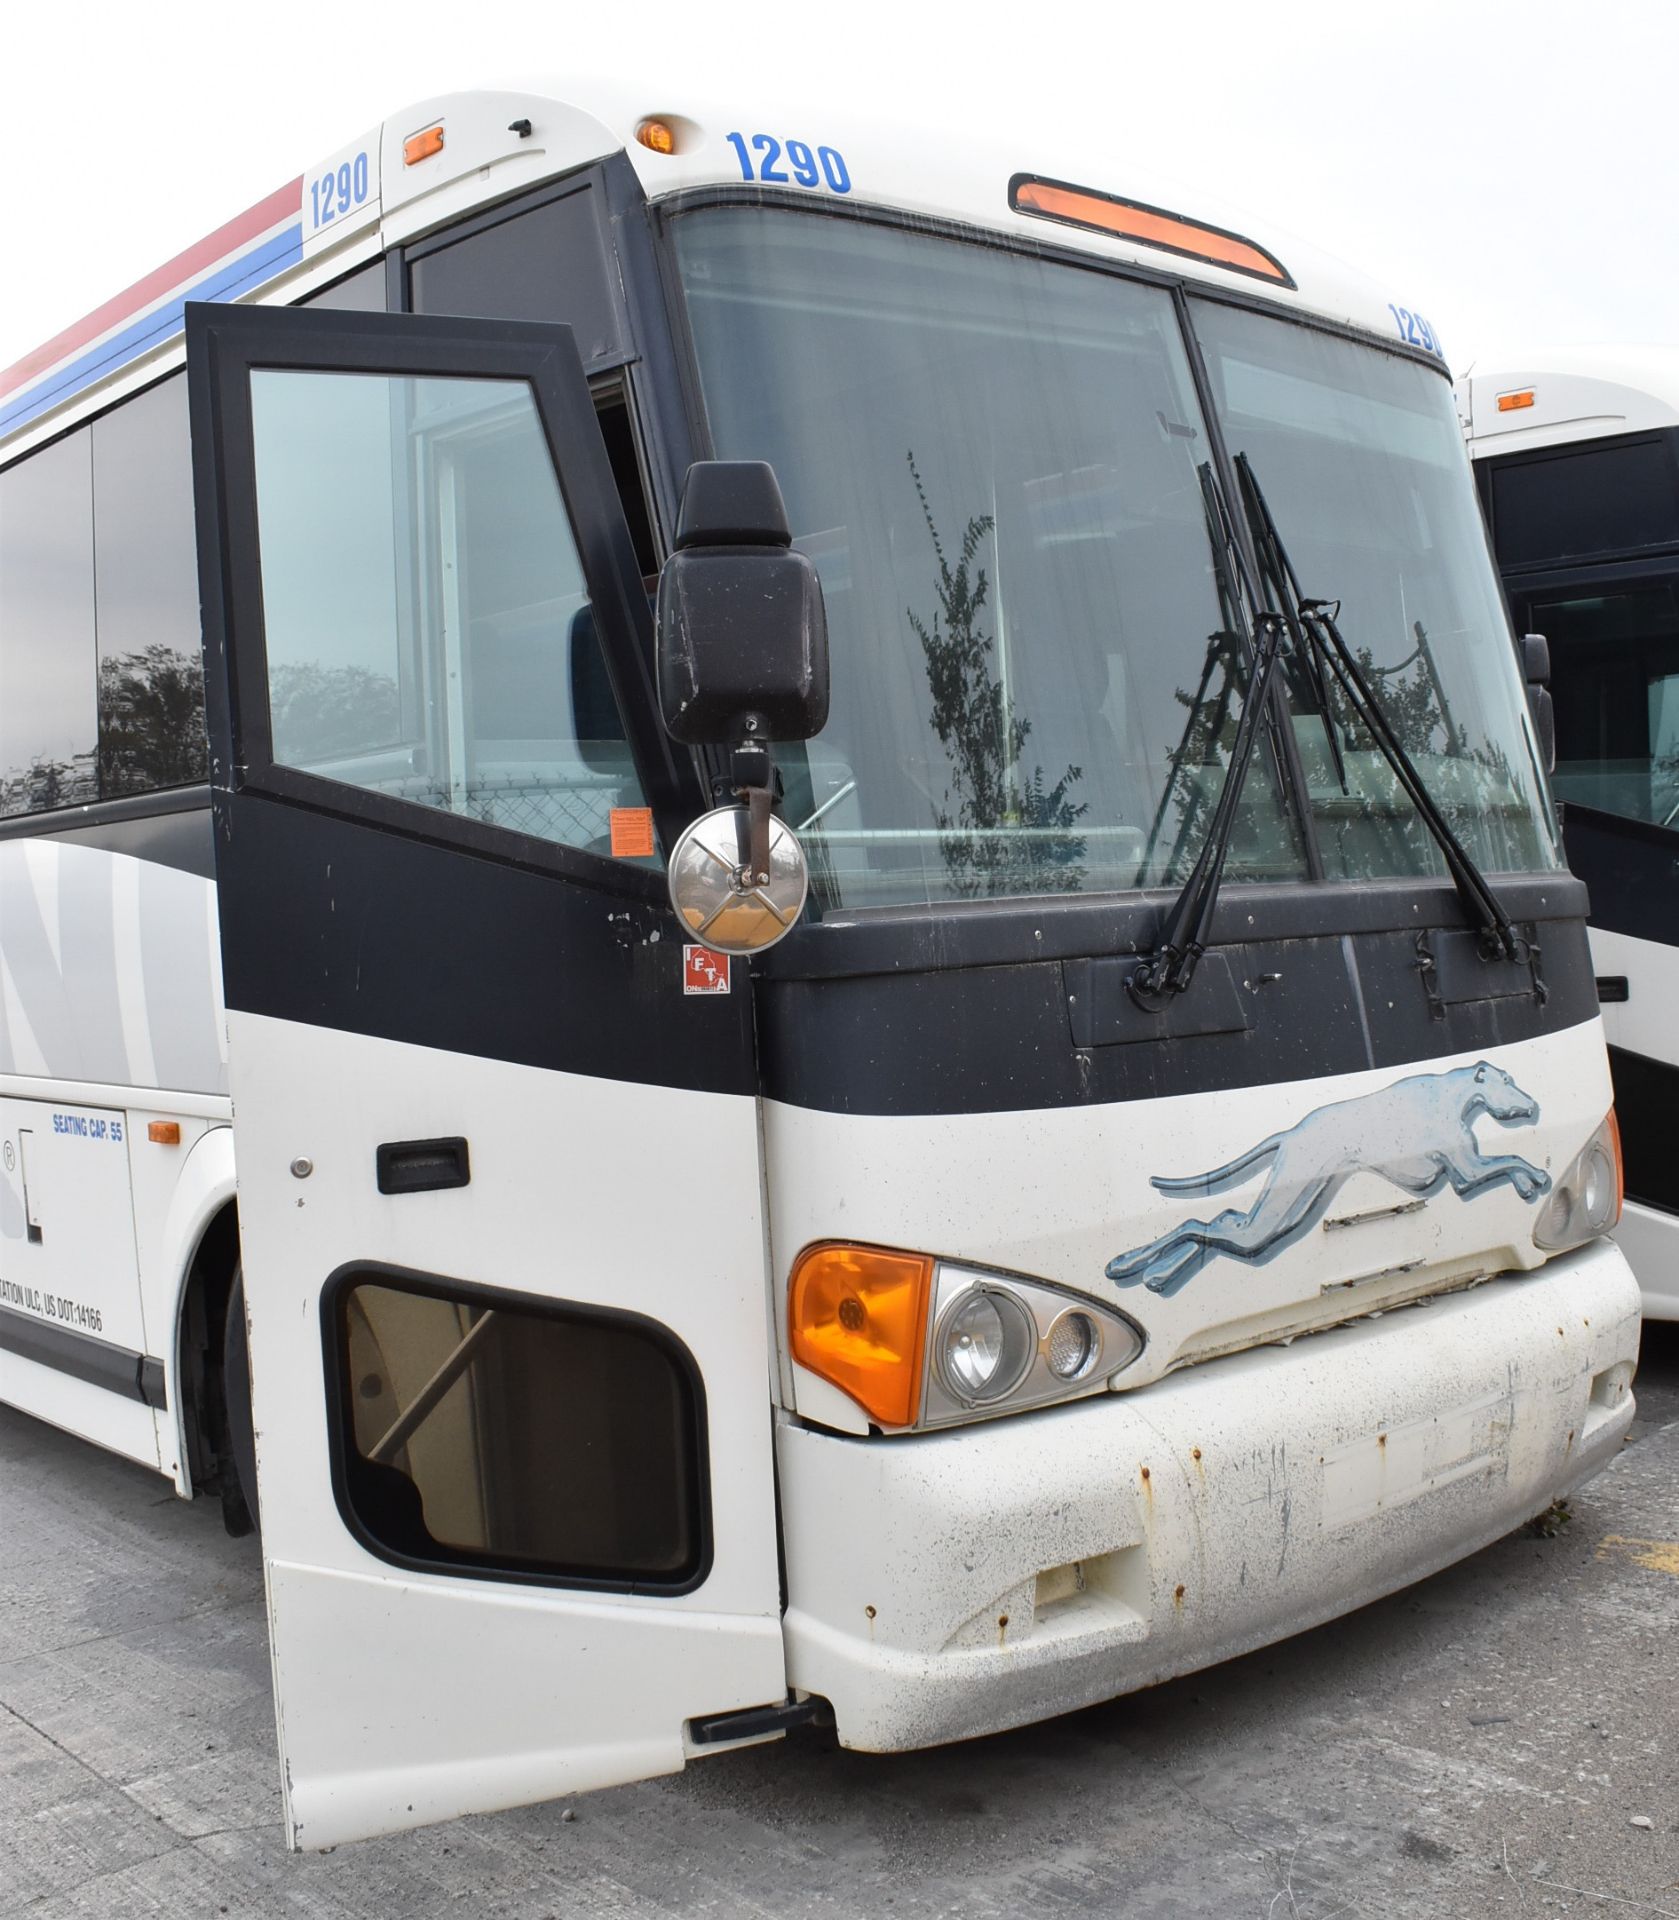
[{"x": 1502, "y": 1739}]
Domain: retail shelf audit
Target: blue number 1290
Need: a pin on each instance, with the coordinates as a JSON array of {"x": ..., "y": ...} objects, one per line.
[{"x": 823, "y": 167}]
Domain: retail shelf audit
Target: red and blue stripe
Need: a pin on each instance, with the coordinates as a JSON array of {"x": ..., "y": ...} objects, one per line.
[{"x": 254, "y": 246}]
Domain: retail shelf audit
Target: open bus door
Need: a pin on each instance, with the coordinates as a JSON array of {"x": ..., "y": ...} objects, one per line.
[{"x": 499, "y": 1187}]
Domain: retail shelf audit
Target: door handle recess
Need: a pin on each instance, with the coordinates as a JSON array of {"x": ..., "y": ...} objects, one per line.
[{"x": 422, "y": 1166}]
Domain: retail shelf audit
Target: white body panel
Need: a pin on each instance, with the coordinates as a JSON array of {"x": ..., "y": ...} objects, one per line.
[
  {"x": 403, "y": 1698},
  {"x": 1078, "y": 1191},
  {"x": 1577, "y": 395},
  {"x": 80, "y": 1407},
  {"x": 936, "y": 1590}
]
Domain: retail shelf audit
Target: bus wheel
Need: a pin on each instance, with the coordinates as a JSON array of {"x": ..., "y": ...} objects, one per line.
[{"x": 239, "y": 1473}]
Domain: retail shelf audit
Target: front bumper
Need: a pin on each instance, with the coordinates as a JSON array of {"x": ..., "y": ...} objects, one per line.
[{"x": 952, "y": 1584}]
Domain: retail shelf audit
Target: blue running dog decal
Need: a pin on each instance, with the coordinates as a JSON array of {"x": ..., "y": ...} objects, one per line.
[{"x": 1418, "y": 1133}]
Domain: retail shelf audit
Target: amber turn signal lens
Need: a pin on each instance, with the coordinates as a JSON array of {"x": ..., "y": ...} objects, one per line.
[
  {"x": 1620, "y": 1168},
  {"x": 1514, "y": 402},
  {"x": 421, "y": 146},
  {"x": 658, "y": 136},
  {"x": 164, "y": 1133},
  {"x": 858, "y": 1318}
]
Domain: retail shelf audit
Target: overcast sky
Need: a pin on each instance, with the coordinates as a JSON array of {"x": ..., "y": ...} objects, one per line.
[{"x": 1513, "y": 167}]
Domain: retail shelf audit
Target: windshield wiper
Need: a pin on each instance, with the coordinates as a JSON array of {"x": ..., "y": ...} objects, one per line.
[
  {"x": 1315, "y": 630},
  {"x": 1183, "y": 934}
]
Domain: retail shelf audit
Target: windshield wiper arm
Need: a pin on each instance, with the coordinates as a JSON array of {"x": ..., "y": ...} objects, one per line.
[
  {"x": 1183, "y": 934},
  {"x": 1313, "y": 625}
]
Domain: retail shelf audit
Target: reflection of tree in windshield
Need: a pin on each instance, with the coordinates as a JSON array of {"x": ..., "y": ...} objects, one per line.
[
  {"x": 151, "y": 721},
  {"x": 1002, "y": 830},
  {"x": 1475, "y": 787}
]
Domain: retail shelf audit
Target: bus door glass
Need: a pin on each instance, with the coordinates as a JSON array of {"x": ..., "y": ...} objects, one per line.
[{"x": 510, "y": 1396}]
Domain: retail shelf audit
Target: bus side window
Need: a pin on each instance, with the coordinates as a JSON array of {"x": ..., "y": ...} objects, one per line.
[{"x": 47, "y": 658}]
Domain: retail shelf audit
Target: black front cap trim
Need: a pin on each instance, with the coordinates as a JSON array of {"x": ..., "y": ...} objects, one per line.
[{"x": 136, "y": 1376}]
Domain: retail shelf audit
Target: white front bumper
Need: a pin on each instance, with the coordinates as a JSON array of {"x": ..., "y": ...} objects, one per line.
[{"x": 946, "y": 1585}]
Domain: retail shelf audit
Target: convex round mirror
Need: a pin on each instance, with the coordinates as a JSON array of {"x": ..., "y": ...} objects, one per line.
[{"x": 720, "y": 900}]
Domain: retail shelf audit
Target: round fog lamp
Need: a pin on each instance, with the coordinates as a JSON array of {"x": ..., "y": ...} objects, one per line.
[
  {"x": 1074, "y": 1346},
  {"x": 986, "y": 1346}
]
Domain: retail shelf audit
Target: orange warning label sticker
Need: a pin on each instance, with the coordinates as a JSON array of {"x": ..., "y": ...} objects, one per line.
[{"x": 632, "y": 832}]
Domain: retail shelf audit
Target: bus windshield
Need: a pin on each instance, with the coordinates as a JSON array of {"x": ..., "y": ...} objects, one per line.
[{"x": 997, "y": 464}]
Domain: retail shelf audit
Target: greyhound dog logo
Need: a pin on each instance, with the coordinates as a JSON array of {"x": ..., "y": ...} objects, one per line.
[{"x": 1418, "y": 1133}]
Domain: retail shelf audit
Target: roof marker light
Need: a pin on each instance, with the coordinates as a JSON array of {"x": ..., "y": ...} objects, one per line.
[
  {"x": 1511, "y": 402},
  {"x": 421, "y": 146},
  {"x": 1152, "y": 226},
  {"x": 658, "y": 136}
]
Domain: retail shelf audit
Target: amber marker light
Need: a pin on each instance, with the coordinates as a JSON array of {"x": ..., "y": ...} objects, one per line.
[
  {"x": 1514, "y": 402},
  {"x": 1620, "y": 1168},
  {"x": 858, "y": 1318},
  {"x": 421, "y": 146},
  {"x": 164, "y": 1133},
  {"x": 658, "y": 136},
  {"x": 1152, "y": 226}
]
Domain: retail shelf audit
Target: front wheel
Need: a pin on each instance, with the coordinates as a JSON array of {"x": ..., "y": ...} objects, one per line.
[{"x": 239, "y": 1449}]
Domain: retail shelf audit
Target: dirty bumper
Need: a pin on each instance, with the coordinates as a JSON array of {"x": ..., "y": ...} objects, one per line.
[{"x": 975, "y": 1580}]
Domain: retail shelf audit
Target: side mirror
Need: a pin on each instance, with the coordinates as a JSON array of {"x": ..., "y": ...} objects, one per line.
[
  {"x": 743, "y": 638},
  {"x": 1536, "y": 671}
]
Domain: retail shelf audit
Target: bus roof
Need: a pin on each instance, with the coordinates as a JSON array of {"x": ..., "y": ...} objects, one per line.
[
  {"x": 1573, "y": 393},
  {"x": 394, "y": 184}
]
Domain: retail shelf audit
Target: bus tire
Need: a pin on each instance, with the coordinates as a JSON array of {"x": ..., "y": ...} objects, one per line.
[{"x": 239, "y": 1475}]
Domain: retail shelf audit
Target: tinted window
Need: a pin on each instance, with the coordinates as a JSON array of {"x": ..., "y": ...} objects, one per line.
[
  {"x": 1591, "y": 499},
  {"x": 427, "y": 622},
  {"x": 47, "y": 661},
  {"x": 516, "y": 1437},
  {"x": 151, "y": 676},
  {"x": 1615, "y": 678},
  {"x": 548, "y": 264},
  {"x": 360, "y": 292}
]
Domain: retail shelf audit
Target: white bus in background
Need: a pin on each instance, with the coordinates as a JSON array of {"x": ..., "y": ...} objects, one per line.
[
  {"x": 1152, "y": 1200},
  {"x": 1577, "y": 460}
]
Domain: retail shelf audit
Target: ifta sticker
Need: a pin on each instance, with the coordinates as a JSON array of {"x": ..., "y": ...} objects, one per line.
[{"x": 704, "y": 970}]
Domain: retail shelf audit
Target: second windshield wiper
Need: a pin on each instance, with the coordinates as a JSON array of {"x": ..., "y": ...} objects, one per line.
[
  {"x": 1169, "y": 969},
  {"x": 1315, "y": 630}
]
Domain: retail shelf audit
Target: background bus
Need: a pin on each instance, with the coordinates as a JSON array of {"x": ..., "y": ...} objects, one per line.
[
  {"x": 1041, "y": 1273},
  {"x": 1577, "y": 461}
]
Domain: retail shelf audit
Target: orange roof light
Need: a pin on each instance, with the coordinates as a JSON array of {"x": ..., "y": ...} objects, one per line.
[
  {"x": 659, "y": 136},
  {"x": 421, "y": 146},
  {"x": 1511, "y": 402},
  {"x": 858, "y": 1317},
  {"x": 1153, "y": 226}
]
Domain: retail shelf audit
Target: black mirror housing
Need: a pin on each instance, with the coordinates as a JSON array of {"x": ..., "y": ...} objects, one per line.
[
  {"x": 742, "y": 633},
  {"x": 1536, "y": 659},
  {"x": 1536, "y": 671}
]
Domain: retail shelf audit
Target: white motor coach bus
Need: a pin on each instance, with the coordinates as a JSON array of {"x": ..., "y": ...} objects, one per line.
[
  {"x": 1577, "y": 461},
  {"x": 1151, "y": 1200}
]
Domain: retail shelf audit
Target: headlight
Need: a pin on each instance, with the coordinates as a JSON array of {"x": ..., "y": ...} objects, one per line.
[
  {"x": 1001, "y": 1343},
  {"x": 919, "y": 1342},
  {"x": 1586, "y": 1201},
  {"x": 984, "y": 1345}
]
